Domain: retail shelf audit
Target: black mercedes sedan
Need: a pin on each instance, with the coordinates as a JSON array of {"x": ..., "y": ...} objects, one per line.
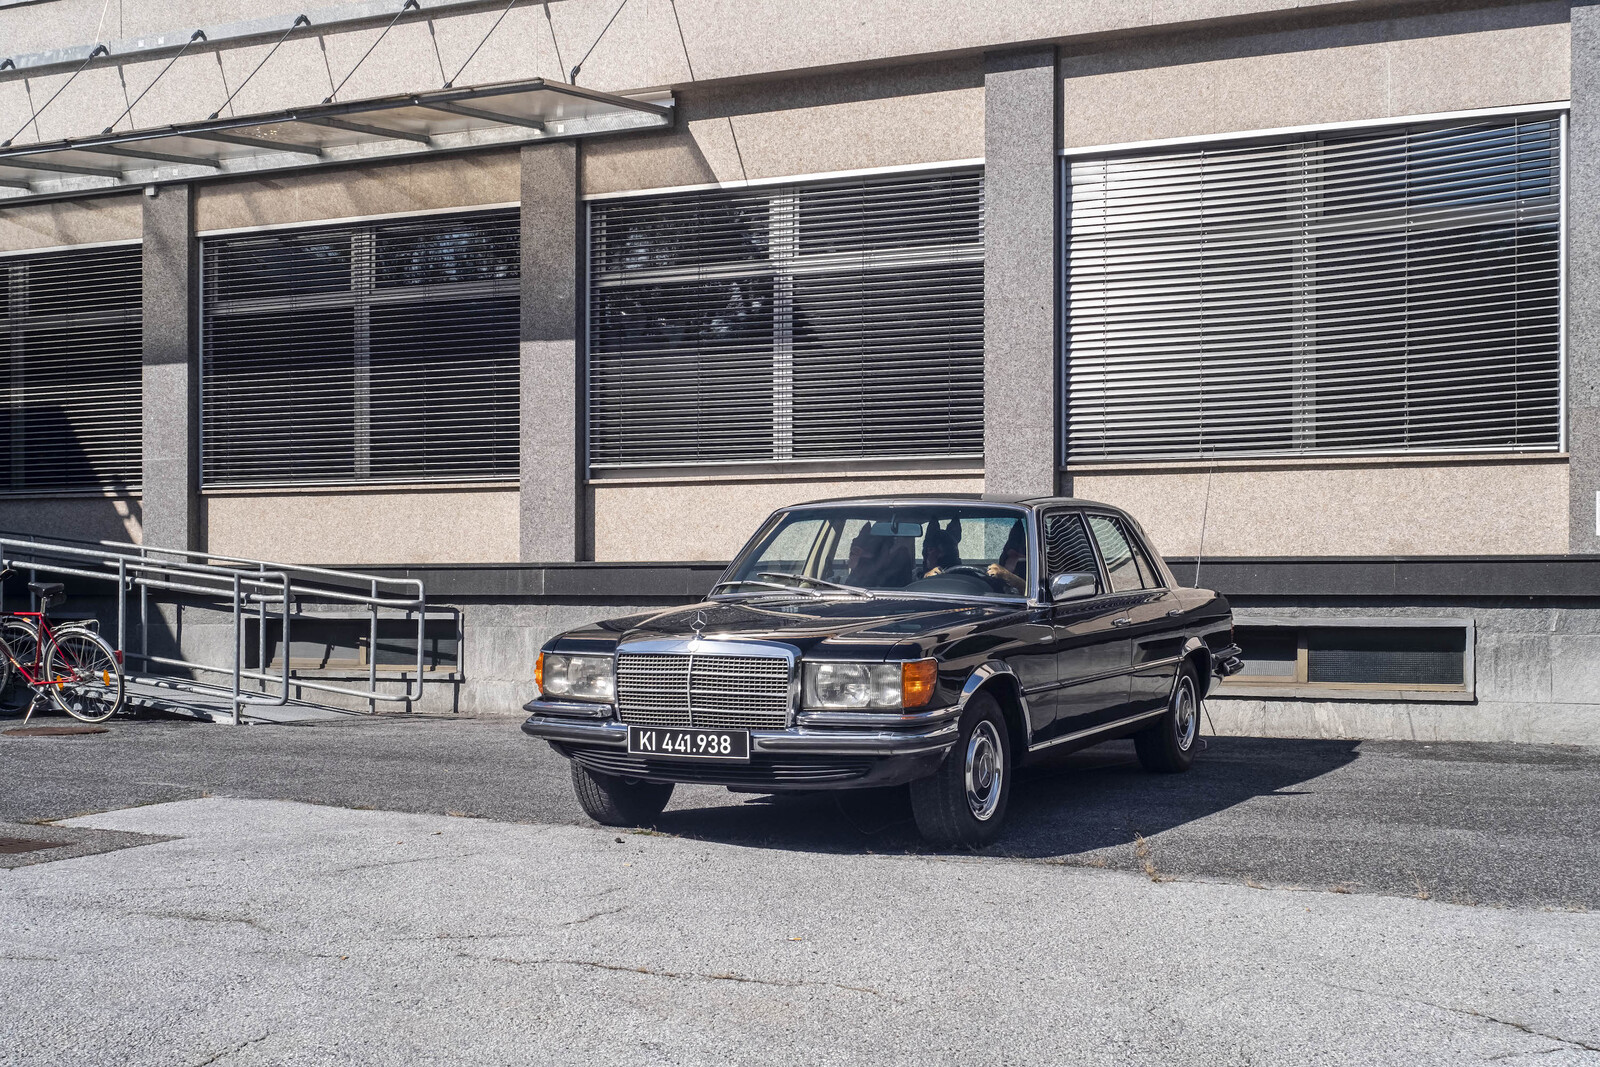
[{"x": 935, "y": 642}]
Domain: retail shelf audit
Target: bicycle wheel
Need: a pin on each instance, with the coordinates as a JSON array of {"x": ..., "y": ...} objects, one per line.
[
  {"x": 16, "y": 694},
  {"x": 85, "y": 675}
]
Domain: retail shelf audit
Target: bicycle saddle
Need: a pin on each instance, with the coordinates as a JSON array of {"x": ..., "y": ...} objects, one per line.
[{"x": 46, "y": 589}]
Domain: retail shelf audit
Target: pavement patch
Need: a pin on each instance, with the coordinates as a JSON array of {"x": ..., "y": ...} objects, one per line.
[
  {"x": 26, "y": 844},
  {"x": 275, "y": 932}
]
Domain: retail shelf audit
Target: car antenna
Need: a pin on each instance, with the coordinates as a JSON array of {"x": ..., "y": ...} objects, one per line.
[{"x": 1205, "y": 513}]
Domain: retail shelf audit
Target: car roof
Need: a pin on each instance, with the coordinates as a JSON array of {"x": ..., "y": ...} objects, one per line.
[{"x": 956, "y": 498}]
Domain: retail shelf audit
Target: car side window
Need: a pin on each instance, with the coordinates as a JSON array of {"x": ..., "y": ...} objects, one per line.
[
  {"x": 1148, "y": 571},
  {"x": 1067, "y": 549},
  {"x": 1122, "y": 562}
]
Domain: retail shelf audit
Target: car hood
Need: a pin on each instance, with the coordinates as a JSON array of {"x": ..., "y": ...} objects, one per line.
[{"x": 807, "y": 622}]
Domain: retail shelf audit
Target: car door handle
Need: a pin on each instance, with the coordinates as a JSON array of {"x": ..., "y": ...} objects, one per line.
[
  {"x": 1124, "y": 621},
  {"x": 1174, "y": 613}
]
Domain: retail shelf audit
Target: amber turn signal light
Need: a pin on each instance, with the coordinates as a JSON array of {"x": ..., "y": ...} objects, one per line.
[
  {"x": 917, "y": 680},
  {"x": 538, "y": 673}
]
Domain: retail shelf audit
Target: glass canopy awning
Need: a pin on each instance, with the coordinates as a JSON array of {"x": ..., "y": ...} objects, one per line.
[{"x": 441, "y": 120}]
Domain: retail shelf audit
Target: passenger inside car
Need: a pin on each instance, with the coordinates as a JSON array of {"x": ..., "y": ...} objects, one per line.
[
  {"x": 879, "y": 562},
  {"x": 1013, "y": 558}
]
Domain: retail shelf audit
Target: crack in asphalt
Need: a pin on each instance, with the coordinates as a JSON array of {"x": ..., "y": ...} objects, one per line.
[
  {"x": 201, "y": 917},
  {"x": 1566, "y": 1042},
  {"x": 240, "y": 1047},
  {"x": 402, "y": 863},
  {"x": 596, "y": 915},
  {"x": 601, "y": 965}
]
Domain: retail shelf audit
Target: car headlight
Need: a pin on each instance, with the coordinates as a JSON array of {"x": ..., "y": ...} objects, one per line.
[
  {"x": 574, "y": 677},
  {"x": 869, "y": 685}
]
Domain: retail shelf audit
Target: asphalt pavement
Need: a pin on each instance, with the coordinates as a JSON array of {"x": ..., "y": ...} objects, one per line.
[
  {"x": 396, "y": 892},
  {"x": 1500, "y": 825}
]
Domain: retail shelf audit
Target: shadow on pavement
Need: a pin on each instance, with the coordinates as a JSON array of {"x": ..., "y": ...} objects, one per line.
[{"x": 1095, "y": 799}]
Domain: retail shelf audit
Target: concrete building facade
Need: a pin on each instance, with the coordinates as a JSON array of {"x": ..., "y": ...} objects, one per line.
[{"x": 1311, "y": 288}]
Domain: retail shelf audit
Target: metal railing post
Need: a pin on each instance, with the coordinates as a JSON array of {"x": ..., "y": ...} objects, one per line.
[
  {"x": 238, "y": 647},
  {"x": 122, "y": 601},
  {"x": 261, "y": 635},
  {"x": 372, "y": 654},
  {"x": 144, "y": 625}
]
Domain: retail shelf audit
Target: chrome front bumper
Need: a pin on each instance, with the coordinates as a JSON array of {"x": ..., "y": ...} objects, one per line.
[{"x": 922, "y": 733}]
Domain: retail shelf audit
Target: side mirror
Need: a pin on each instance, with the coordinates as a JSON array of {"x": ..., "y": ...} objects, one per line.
[{"x": 1065, "y": 587}]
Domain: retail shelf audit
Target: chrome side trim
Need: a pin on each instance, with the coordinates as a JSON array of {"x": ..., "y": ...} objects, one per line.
[
  {"x": 1103, "y": 728},
  {"x": 1134, "y": 668}
]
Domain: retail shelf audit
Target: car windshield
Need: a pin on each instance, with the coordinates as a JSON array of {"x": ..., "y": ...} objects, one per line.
[{"x": 938, "y": 549}]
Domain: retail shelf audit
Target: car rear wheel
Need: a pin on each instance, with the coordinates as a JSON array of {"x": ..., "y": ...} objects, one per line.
[
  {"x": 963, "y": 803},
  {"x": 1167, "y": 746},
  {"x": 613, "y": 801}
]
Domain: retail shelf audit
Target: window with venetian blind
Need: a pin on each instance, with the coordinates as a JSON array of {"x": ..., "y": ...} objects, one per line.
[{"x": 1382, "y": 290}]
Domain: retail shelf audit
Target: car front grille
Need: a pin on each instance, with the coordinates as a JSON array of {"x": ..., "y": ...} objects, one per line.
[{"x": 683, "y": 689}]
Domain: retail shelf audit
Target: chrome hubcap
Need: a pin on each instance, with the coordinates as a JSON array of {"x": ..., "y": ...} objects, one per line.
[
  {"x": 985, "y": 770},
  {"x": 1186, "y": 714}
]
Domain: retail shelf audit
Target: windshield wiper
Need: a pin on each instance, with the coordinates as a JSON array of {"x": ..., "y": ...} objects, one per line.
[
  {"x": 765, "y": 585},
  {"x": 856, "y": 589}
]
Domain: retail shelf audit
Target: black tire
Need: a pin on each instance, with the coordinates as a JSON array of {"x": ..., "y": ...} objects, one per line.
[
  {"x": 90, "y": 684},
  {"x": 1167, "y": 746},
  {"x": 949, "y": 813},
  {"x": 613, "y": 801}
]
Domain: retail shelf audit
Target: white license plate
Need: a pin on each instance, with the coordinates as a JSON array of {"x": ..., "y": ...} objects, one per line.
[{"x": 683, "y": 743}]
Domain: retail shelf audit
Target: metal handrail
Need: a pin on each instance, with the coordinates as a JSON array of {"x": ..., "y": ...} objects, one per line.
[{"x": 249, "y": 584}]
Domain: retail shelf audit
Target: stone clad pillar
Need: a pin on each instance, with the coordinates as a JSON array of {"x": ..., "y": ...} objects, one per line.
[
  {"x": 551, "y": 510},
  {"x": 171, "y": 411},
  {"x": 1022, "y": 394},
  {"x": 1583, "y": 278}
]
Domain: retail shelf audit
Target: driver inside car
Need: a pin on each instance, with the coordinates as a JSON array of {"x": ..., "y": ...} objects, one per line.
[{"x": 940, "y": 549}]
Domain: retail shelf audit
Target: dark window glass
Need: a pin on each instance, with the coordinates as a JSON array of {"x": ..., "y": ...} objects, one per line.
[
  {"x": 1067, "y": 549},
  {"x": 1118, "y": 552}
]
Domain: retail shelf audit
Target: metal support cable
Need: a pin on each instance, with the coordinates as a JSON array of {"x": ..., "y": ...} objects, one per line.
[
  {"x": 198, "y": 35},
  {"x": 99, "y": 49},
  {"x": 471, "y": 55},
  {"x": 299, "y": 20},
  {"x": 407, "y": 6},
  {"x": 572, "y": 78}
]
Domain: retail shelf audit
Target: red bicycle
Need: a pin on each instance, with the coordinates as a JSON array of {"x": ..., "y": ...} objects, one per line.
[{"x": 75, "y": 665}]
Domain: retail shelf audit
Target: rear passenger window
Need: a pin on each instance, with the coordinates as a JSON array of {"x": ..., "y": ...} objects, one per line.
[
  {"x": 1125, "y": 564},
  {"x": 1067, "y": 549}
]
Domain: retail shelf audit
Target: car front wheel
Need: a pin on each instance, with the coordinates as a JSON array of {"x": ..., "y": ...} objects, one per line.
[
  {"x": 613, "y": 801},
  {"x": 964, "y": 802},
  {"x": 1167, "y": 746}
]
